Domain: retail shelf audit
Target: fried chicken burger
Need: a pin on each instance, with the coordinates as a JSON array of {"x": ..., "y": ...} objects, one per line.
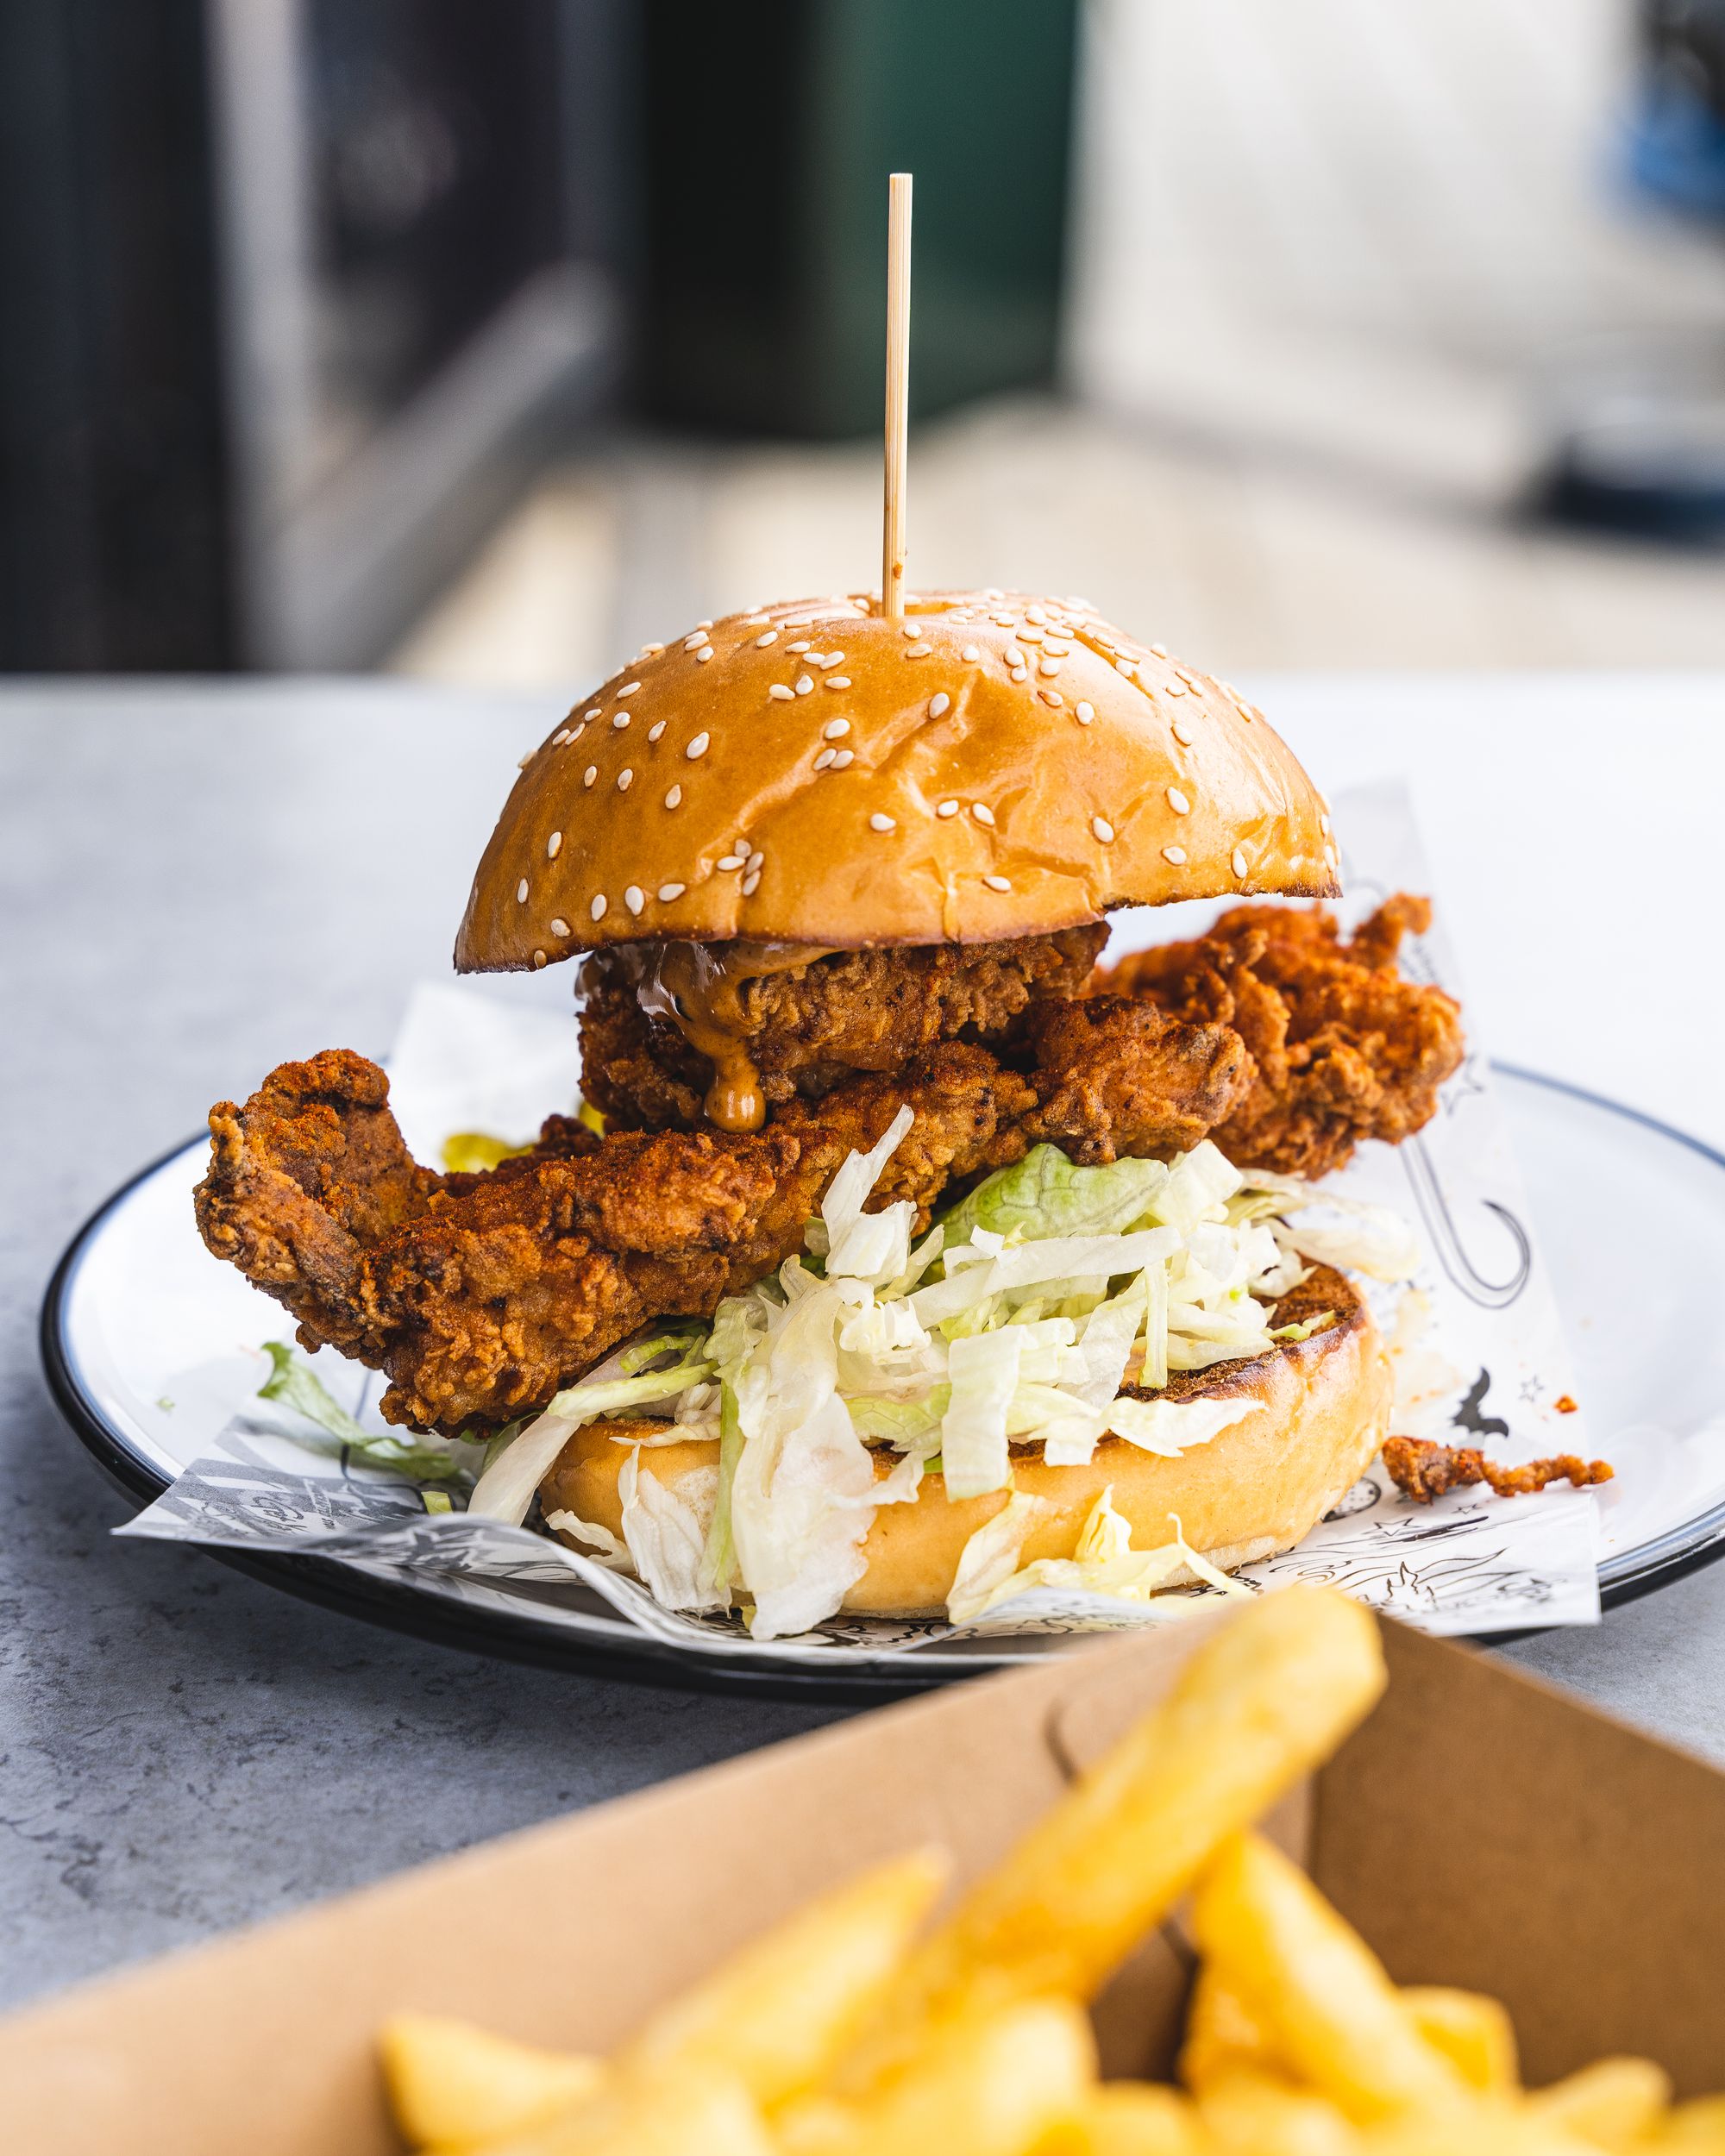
[{"x": 902, "y": 1256}]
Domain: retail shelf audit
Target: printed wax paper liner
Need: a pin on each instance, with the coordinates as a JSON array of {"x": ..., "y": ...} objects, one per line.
[{"x": 1475, "y": 1338}]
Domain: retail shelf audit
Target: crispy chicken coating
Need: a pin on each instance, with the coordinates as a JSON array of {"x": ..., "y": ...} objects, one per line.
[
  {"x": 808, "y": 1026},
  {"x": 480, "y": 1294},
  {"x": 1343, "y": 1047},
  {"x": 1423, "y": 1471}
]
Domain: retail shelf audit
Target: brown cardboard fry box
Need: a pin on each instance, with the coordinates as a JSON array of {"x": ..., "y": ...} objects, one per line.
[{"x": 1480, "y": 1829}]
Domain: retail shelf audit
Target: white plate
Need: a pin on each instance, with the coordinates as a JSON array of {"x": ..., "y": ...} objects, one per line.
[{"x": 1631, "y": 1215}]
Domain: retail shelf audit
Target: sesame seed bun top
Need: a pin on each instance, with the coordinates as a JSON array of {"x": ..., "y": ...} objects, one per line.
[{"x": 993, "y": 765}]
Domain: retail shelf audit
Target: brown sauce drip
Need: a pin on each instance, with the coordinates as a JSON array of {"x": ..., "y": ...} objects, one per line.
[{"x": 697, "y": 986}]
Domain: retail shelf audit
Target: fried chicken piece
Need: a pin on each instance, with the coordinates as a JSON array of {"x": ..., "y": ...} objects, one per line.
[
  {"x": 480, "y": 1294},
  {"x": 1423, "y": 1471},
  {"x": 806, "y": 1028},
  {"x": 1343, "y": 1047}
]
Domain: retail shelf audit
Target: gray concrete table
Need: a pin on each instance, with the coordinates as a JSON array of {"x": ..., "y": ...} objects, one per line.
[{"x": 197, "y": 882}]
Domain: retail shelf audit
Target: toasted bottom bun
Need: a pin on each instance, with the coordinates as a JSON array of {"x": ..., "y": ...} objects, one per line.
[{"x": 1322, "y": 1412}]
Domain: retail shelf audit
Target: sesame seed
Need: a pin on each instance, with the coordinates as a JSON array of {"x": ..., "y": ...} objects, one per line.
[
  {"x": 576, "y": 735},
  {"x": 674, "y": 797},
  {"x": 947, "y": 808},
  {"x": 1086, "y": 713},
  {"x": 997, "y": 883},
  {"x": 1036, "y": 614},
  {"x": 539, "y": 958},
  {"x": 971, "y": 652},
  {"x": 704, "y": 625},
  {"x": 1183, "y": 733},
  {"x": 669, "y": 891},
  {"x": 1159, "y": 651},
  {"x": 697, "y": 748},
  {"x": 785, "y": 695},
  {"x": 694, "y": 642},
  {"x": 757, "y": 860},
  {"x": 629, "y": 689},
  {"x": 1048, "y": 666},
  {"x": 771, "y": 637},
  {"x": 656, "y": 730},
  {"x": 839, "y": 681},
  {"x": 1324, "y": 825},
  {"x": 804, "y": 684},
  {"x": 1177, "y": 802},
  {"x": 982, "y": 813},
  {"x": 619, "y": 719},
  {"x": 1019, "y": 673},
  {"x": 559, "y": 925},
  {"x": 559, "y": 737},
  {"x": 832, "y": 658},
  {"x": 1029, "y": 635},
  {"x": 705, "y": 654},
  {"x": 1173, "y": 688},
  {"x": 1014, "y": 656},
  {"x": 835, "y": 730},
  {"x": 1103, "y": 829},
  {"x": 802, "y": 644},
  {"x": 650, "y": 651},
  {"x": 553, "y": 845},
  {"x": 1126, "y": 667},
  {"x": 751, "y": 884},
  {"x": 625, "y": 779},
  {"x": 635, "y": 898},
  {"x": 910, "y": 629},
  {"x": 728, "y": 864},
  {"x": 1056, "y": 651},
  {"x": 824, "y": 761},
  {"x": 939, "y": 705},
  {"x": 1238, "y": 862},
  {"x": 597, "y": 909},
  {"x": 1052, "y": 697},
  {"x": 522, "y": 762},
  {"x": 592, "y": 714},
  {"x": 919, "y": 651},
  {"x": 1175, "y": 854},
  {"x": 590, "y": 775},
  {"x": 843, "y": 758},
  {"x": 521, "y": 891},
  {"x": 877, "y": 822}
]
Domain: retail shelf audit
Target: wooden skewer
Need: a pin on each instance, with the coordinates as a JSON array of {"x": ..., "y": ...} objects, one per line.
[{"x": 897, "y": 392}]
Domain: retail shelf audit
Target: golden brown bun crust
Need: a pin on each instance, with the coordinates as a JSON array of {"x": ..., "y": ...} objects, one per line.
[
  {"x": 1257, "y": 1488},
  {"x": 1117, "y": 777}
]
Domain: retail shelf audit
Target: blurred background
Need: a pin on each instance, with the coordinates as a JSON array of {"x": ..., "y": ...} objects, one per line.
[{"x": 483, "y": 342}]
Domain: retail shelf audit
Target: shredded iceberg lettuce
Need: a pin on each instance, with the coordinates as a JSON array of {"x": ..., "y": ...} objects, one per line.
[
  {"x": 1103, "y": 1564},
  {"x": 294, "y": 1384},
  {"x": 505, "y": 1491},
  {"x": 1050, "y": 1305}
]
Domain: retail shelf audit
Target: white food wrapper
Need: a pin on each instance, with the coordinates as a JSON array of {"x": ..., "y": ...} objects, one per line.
[{"x": 1475, "y": 1338}]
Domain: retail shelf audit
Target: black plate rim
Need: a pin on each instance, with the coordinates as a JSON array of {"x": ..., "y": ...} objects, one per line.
[{"x": 1684, "y": 1549}]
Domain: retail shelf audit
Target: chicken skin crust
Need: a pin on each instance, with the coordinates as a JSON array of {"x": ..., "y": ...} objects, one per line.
[
  {"x": 806, "y": 1027},
  {"x": 479, "y": 1296},
  {"x": 1342, "y": 1046}
]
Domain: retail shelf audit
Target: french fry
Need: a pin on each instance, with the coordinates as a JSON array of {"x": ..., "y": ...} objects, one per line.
[
  {"x": 690, "y": 2111},
  {"x": 1249, "y": 2112},
  {"x": 1252, "y": 1712},
  {"x": 1698, "y": 2125},
  {"x": 1613, "y": 2104},
  {"x": 994, "y": 2084},
  {"x": 1221, "y": 2033},
  {"x": 1130, "y": 2118},
  {"x": 452, "y": 2085},
  {"x": 778, "y": 2014},
  {"x": 1491, "y": 2126},
  {"x": 1472, "y": 2031},
  {"x": 1316, "y": 1986}
]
